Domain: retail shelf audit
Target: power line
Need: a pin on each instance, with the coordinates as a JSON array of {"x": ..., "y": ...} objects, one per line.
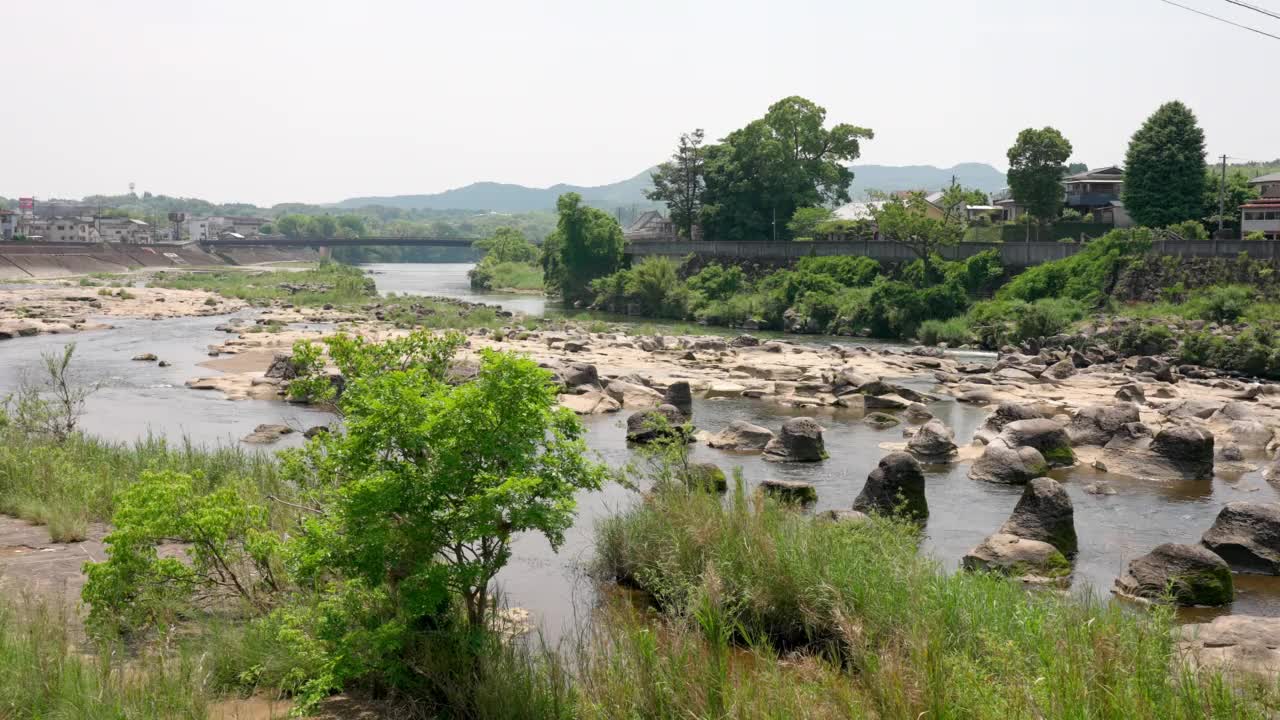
[
  {"x": 1255, "y": 8},
  {"x": 1221, "y": 19}
]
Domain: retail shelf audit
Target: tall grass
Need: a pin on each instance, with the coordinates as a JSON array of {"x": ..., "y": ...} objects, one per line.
[
  {"x": 72, "y": 483},
  {"x": 911, "y": 640},
  {"x": 42, "y": 677}
]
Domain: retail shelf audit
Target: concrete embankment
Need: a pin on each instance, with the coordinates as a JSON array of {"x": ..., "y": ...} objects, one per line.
[{"x": 27, "y": 261}]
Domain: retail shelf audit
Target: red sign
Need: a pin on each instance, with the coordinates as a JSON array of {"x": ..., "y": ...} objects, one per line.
[{"x": 28, "y": 203}]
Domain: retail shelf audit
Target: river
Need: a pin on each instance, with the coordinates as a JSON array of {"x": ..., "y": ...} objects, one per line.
[{"x": 139, "y": 398}]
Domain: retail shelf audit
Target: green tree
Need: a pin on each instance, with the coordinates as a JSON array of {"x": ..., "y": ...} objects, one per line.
[
  {"x": 294, "y": 225},
  {"x": 908, "y": 224},
  {"x": 956, "y": 199},
  {"x": 324, "y": 226},
  {"x": 1036, "y": 169},
  {"x": 507, "y": 244},
  {"x": 1238, "y": 192},
  {"x": 1076, "y": 168},
  {"x": 1164, "y": 176},
  {"x": 350, "y": 226},
  {"x": 804, "y": 221},
  {"x": 587, "y": 244},
  {"x": 420, "y": 503},
  {"x": 680, "y": 184},
  {"x": 760, "y": 174}
]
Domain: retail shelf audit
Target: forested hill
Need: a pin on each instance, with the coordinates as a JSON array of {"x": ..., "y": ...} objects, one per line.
[{"x": 505, "y": 197}]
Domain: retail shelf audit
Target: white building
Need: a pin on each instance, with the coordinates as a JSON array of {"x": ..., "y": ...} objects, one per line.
[
  {"x": 124, "y": 230},
  {"x": 8, "y": 224},
  {"x": 1263, "y": 214},
  {"x": 62, "y": 230}
]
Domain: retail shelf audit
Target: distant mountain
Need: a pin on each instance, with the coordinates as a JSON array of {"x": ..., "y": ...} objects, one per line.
[
  {"x": 505, "y": 197},
  {"x": 889, "y": 178}
]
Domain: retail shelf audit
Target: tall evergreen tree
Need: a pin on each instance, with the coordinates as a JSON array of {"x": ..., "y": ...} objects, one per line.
[{"x": 1164, "y": 175}]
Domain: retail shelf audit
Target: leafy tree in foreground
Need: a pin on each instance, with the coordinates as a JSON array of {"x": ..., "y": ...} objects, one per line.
[
  {"x": 1036, "y": 167},
  {"x": 679, "y": 182},
  {"x": 587, "y": 244},
  {"x": 1164, "y": 175}
]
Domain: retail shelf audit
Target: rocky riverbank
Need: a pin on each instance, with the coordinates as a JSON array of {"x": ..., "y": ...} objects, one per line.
[{"x": 29, "y": 310}]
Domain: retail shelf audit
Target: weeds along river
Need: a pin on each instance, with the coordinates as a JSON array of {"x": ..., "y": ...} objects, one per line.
[{"x": 136, "y": 399}]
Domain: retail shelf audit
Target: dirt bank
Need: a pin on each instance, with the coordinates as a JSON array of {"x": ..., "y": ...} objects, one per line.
[{"x": 27, "y": 310}]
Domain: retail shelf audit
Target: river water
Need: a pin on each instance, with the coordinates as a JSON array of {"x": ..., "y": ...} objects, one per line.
[{"x": 136, "y": 399}]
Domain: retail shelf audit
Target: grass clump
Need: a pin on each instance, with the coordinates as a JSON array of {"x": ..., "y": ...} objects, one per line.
[
  {"x": 953, "y": 332},
  {"x": 906, "y": 639},
  {"x": 70, "y": 483},
  {"x": 516, "y": 276},
  {"x": 329, "y": 283}
]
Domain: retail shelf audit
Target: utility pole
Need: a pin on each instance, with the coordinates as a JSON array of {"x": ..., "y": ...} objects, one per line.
[
  {"x": 1222, "y": 194},
  {"x": 775, "y": 224}
]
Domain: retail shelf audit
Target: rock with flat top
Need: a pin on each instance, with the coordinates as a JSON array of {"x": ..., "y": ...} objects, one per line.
[
  {"x": 1000, "y": 463},
  {"x": 741, "y": 436},
  {"x": 1234, "y": 643},
  {"x": 1097, "y": 424},
  {"x": 1046, "y": 436},
  {"x": 1031, "y": 561},
  {"x": 790, "y": 491},
  {"x": 664, "y": 421}
]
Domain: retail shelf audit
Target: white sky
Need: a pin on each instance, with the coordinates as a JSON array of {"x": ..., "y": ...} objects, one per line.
[{"x": 272, "y": 101}]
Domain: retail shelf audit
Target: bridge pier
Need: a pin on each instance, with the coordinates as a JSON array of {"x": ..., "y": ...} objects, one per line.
[{"x": 326, "y": 252}]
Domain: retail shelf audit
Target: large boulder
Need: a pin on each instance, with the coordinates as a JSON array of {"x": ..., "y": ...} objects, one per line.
[
  {"x": 799, "y": 441},
  {"x": 576, "y": 375},
  {"x": 679, "y": 395},
  {"x": 1247, "y": 536},
  {"x": 1234, "y": 643},
  {"x": 1004, "y": 414},
  {"x": 1000, "y": 463},
  {"x": 933, "y": 442},
  {"x": 1044, "y": 513},
  {"x": 790, "y": 491},
  {"x": 1189, "y": 574},
  {"x": 633, "y": 396},
  {"x": 1180, "y": 452},
  {"x": 1097, "y": 424},
  {"x": 282, "y": 367},
  {"x": 592, "y": 402},
  {"x": 660, "y": 422},
  {"x": 704, "y": 476},
  {"x": 1046, "y": 436},
  {"x": 1060, "y": 370},
  {"x": 741, "y": 436},
  {"x": 895, "y": 487},
  {"x": 1031, "y": 561}
]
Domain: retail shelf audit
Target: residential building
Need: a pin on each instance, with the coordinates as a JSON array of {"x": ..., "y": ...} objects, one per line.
[
  {"x": 246, "y": 226},
  {"x": 1010, "y": 210},
  {"x": 8, "y": 224},
  {"x": 201, "y": 229},
  {"x": 1263, "y": 214},
  {"x": 858, "y": 210},
  {"x": 62, "y": 230},
  {"x": 650, "y": 225},
  {"x": 1093, "y": 189},
  {"x": 124, "y": 230}
]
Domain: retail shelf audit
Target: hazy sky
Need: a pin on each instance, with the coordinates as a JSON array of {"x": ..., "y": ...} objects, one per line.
[{"x": 271, "y": 101}]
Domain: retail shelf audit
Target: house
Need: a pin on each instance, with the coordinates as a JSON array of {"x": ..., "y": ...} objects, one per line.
[
  {"x": 1113, "y": 214},
  {"x": 8, "y": 224},
  {"x": 1263, "y": 214},
  {"x": 1093, "y": 189},
  {"x": 858, "y": 210},
  {"x": 650, "y": 225},
  {"x": 246, "y": 226},
  {"x": 1010, "y": 210},
  {"x": 201, "y": 229},
  {"x": 62, "y": 230},
  {"x": 124, "y": 230}
]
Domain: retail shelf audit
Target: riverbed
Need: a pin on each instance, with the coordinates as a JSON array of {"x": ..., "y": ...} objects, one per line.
[{"x": 140, "y": 398}]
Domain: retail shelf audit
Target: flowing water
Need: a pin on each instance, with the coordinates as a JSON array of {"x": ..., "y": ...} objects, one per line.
[{"x": 138, "y": 398}]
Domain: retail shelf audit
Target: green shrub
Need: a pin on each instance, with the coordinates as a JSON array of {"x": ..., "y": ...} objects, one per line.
[
  {"x": 1143, "y": 338},
  {"x": 1224, "y": 304},
  {"x": 847, "y": 270},
  {"x": 1189, "y": 230},
  {"x": 717, "y": 282},
  {"x": 953, "y": 332},
  {"x": 1256, "y": 236},
  {"x": 1086, "y": 276},
  {"x": 1046, "y": 317}
]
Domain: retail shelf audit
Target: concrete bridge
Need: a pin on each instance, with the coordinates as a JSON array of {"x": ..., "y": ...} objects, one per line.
[
  {"x": 313, "y": 242},
  {"x": 1011, "y": 254}
]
